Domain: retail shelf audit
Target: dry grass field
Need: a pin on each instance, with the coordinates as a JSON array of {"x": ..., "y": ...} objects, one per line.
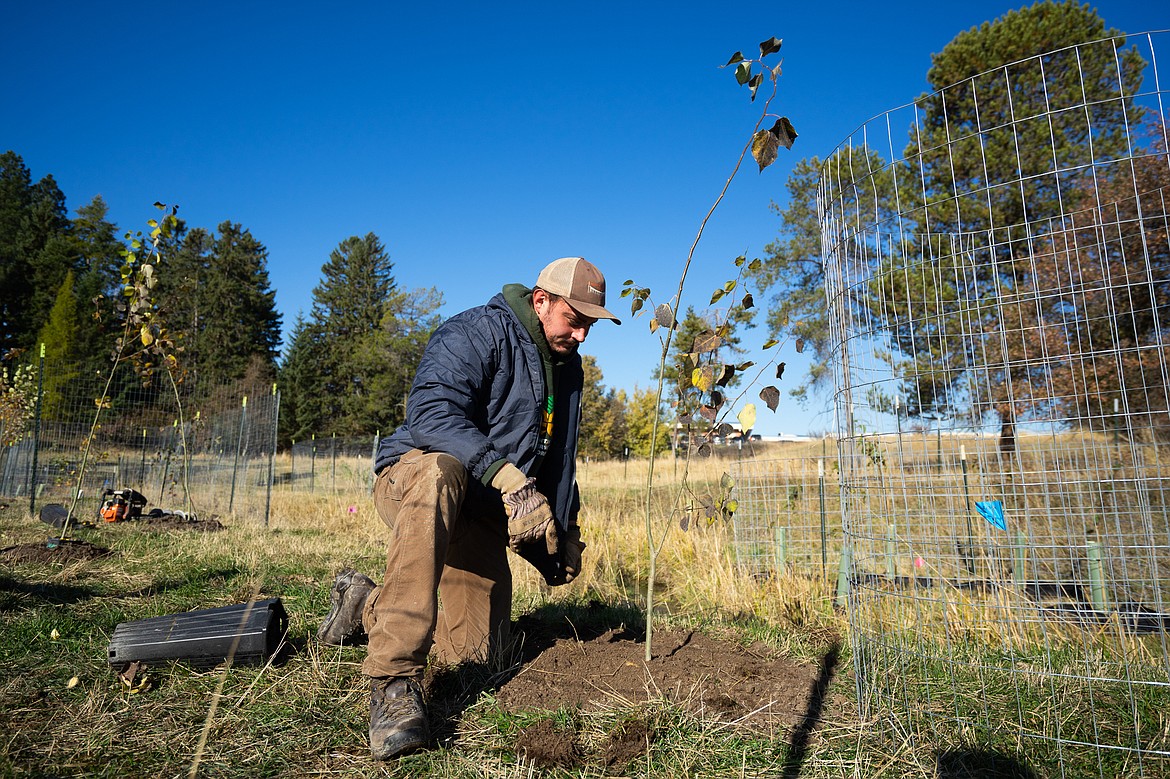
[{"x": 751, "y": 675}]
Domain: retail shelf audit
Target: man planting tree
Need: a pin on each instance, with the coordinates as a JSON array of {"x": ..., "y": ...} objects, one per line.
[{"x": 484, "y": 462}]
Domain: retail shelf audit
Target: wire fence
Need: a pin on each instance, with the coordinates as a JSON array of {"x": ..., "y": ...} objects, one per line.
[
  {"x": 212, "y": 457},
  {"x": 997, "y": 277}
]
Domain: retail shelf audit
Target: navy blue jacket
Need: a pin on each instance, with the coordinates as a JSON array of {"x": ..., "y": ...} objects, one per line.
[{"x": 478, "y": 395}]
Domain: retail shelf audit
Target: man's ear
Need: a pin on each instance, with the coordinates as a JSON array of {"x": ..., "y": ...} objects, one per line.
[{"x": 539, "y": 298}]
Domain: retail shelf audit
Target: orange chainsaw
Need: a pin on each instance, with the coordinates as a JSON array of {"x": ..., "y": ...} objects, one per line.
[{"x": 120, "y": 505}]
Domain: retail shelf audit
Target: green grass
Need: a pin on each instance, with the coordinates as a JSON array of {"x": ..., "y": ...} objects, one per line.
[{"x": 307, "y": 716}]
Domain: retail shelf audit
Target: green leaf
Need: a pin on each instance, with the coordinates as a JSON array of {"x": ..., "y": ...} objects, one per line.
[
  {"x": 755, "y": 84},
  {"x": 737, "y": 57},
  {"x": 740, "y": 260},
  {"x": 716, "y": 296},
  {"x": 636, "y": 305},
  {"x": 755, "y": 264},
  {"x": 770, "y": 343},
  {"x": 729, "y": 285},
  {"x": 784, "y": 131},
  {"x": 743, "y": 73},
  {"x": 770, "y": 46}
]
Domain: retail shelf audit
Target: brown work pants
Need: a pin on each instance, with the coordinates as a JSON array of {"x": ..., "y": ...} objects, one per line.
[{"x": 448, "y": 540}]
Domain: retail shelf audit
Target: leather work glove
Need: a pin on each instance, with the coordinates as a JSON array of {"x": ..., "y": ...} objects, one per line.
[
  {"x": 573, "y": 549},
  {"x": 530, "y": 518}
]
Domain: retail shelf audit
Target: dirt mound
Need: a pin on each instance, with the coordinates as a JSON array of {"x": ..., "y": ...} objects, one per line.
[
  {"x": 60, "y": 552},
  {"x": 178, "y": 522},
  {"x": 719, "y": 681},
  {"x": 715, "y": 680}
]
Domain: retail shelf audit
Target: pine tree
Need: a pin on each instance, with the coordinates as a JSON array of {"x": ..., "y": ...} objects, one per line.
[
  {"x": 34, "y": 256},
  {"x": 61, "y": 336},
  {"x": 237, "y": 320}
]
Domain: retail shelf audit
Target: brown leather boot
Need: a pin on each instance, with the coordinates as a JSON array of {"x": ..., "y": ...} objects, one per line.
[
  {"x": 343, "y": 623},
  {"x": 398, "y": 717}
]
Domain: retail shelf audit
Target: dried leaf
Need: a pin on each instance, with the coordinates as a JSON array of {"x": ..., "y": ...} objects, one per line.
[
  {"x": 800, "y": 346},
  {"x": 706, "y": 342},
  {"x": 664, "y": 315},
  {"x": 780, "y": 370},
  {"x": 726, "y": 374},
  {"x": 771, "y": 397},
  {"x": 748, "y": 300},
  {"x": 73, "y": 682},
  {"x": 708, "y": 412},
  {"x": 765, "y": 148}
]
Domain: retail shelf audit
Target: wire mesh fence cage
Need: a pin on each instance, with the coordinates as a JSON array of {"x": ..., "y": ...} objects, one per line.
[
  {"x": 788, "y": 517},
  {"x": 998, "y": 283},
  {"x": 195, "y": 456}
]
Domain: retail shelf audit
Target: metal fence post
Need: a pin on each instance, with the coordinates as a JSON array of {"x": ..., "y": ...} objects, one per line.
[
  {"x": 239, "y": 446},
  {"x": 272, "y": 454},
  {"x": 32, "y": 470}
]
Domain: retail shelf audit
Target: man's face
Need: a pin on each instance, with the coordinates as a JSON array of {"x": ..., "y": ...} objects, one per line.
[{"x": 564, "y": 328}]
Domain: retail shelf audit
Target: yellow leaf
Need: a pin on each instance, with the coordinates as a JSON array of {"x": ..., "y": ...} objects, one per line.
[
  {"x": 54, "y": 634},
  {"x": 747, "y": 417},
  {"x": 703, "y": 379},
  {"x": 72, "y": 683},
  {"x": 147, "y": 337}
]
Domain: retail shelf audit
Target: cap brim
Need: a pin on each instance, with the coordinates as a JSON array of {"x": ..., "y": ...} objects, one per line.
[{"x": 592, "y": 311}]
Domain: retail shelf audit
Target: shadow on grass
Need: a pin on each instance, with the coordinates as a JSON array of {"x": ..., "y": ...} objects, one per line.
[
  {"x": 14, "y": 593},
  {"x": 798, "y": 743},
  {"x": 965, "y": 763}
]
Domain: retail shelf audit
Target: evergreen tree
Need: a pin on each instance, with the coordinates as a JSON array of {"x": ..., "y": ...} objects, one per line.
[
  {"x": 61, "y": 336},
  {"x": 350, "y": 365},
  {"x": 34, "y": 256},
  {"x": 237, "y": 319}
]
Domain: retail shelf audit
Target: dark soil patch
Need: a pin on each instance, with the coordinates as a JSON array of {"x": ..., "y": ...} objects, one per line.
[
  {"x": 713, "y": 679},
  {"x": 61, "y": 552},
  {"x": 548, "y": 747},
  {"x": 177, "y": 522}
]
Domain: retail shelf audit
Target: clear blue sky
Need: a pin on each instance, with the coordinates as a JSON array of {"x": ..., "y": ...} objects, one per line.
[{"x": 478, "y": 140}]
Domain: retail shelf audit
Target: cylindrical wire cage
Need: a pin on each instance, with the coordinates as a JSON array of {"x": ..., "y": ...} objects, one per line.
[{"x": 998, "y": 282}]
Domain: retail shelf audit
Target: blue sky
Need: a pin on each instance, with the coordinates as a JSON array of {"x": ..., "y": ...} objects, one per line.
[{"x": 479, "y": 141}]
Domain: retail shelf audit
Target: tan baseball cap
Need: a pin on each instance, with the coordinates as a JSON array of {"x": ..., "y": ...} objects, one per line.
[{"x": 580, "y": 283}]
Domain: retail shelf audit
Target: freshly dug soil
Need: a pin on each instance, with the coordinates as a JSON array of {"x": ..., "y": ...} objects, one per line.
[
  {"x": 752, "y": 689},
  {"x": 176, "y": 522},
  {"x": 62, "y": 552},
  {"x": 713, "y": 679}
]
